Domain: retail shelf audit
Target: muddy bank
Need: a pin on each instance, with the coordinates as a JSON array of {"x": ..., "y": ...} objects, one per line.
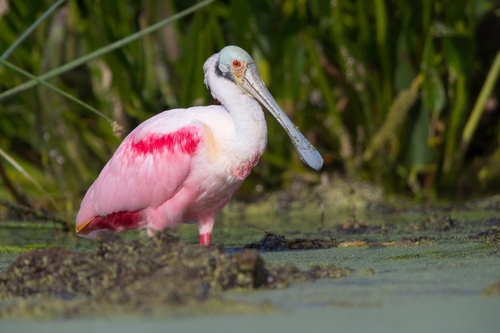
[{"x": 143, "y": 276}]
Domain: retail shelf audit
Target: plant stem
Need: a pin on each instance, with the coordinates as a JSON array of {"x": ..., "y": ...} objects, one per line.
[
  {"x": 113, "y": 46},
  {"x": 59, "y": 91},
  {"x": 28, "y": 31},
  {"x": 478, "y": 109}
]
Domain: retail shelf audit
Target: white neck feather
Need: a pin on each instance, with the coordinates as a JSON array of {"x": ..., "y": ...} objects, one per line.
[{"x": 249, "y": 121}]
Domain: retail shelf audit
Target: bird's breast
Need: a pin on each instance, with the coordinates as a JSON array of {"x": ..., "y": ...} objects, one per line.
[{"x": 242, "y": 170}]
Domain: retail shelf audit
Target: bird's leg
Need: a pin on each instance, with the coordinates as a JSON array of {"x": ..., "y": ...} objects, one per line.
[
  {"x": 151, "y": 232},
  {"x": 205, "y": 239},
  {"x": 205, "y": 226}
]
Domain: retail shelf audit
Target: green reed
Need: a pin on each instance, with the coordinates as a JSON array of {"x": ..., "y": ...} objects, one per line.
[{"x": 399, "y": 93}]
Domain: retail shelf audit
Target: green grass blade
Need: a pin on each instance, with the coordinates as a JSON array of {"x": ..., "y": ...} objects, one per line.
[
  {"x": 381, "y": 22},
  {"x": 113, "y": 46},
  {"x": 454, "y": 126},
  {"x": 21, "y": 170},
  {"x": 28, "y": 31},
  {"x": 395, "y": 117},
  {"x": 478, "y": 109},
  {"x": 32, "y": 180},
  {"x": 59, "y": 91}
]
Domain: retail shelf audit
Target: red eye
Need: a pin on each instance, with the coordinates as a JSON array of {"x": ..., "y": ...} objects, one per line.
[{"x": 236, "y": 63}]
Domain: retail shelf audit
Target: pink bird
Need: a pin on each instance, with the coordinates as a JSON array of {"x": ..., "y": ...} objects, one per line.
[{"x": 183, "y": 165}]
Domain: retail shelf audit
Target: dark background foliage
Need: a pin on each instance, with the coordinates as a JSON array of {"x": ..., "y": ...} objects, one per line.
[{"x": 394, "y": 92}]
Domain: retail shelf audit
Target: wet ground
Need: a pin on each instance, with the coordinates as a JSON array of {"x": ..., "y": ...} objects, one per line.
[{"x": 378, "y": 267}]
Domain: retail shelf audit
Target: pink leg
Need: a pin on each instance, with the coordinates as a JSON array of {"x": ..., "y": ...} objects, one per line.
[
  {"x": 205, "y": 225},
  {"x": 205, "y": 239}
]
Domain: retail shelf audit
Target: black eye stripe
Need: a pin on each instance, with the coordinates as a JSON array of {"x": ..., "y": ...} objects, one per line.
[
  {"x": 226, "y": 75},
  {"x": 218, "y": 72}
]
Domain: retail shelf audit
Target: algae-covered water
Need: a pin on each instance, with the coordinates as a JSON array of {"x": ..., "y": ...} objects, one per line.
[{"x": 414, "y": 269}]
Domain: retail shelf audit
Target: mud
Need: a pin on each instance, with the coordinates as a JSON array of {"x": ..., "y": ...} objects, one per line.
[
  {"x": 438, "y": 225},
  {"x": 493, "y": 290},
  {"x": 274, "y": 242},
  {"x": 491, "y": 236},
  {"x": 139, "y": 276}
]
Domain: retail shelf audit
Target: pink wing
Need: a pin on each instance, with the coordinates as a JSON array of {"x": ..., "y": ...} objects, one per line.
[{"x": 147, "y": 169}]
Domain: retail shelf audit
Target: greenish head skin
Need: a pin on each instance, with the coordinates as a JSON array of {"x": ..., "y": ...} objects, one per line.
[
  {"x": 232, "y": 64},
  {"x": 231, "y": 53}
]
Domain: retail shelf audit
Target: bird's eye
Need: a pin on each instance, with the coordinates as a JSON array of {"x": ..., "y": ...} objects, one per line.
[{"x": 236, "y": 63}]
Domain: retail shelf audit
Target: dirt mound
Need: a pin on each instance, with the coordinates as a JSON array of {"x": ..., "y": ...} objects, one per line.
[{"x": 136, "y": 275}]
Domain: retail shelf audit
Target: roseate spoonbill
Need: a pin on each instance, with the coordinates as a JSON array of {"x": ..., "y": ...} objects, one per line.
[{"x": 184, "y": 165}]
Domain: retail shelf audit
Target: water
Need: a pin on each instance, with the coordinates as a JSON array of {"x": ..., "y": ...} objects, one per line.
[{"x": 433, "y": 285}]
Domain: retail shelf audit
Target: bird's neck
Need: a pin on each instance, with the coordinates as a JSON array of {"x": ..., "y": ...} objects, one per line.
[
  {"x": 247, "y": 115},
  {"x": 250, "y": 130},
  {"x": 248, "y": 137}
]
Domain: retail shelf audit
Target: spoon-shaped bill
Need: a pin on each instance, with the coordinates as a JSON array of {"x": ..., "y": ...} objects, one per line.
[{"x": 253, "y": 84}]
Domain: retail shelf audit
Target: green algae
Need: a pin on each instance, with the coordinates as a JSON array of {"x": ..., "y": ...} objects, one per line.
[
  {"x": 12, "y": 249},
  {"x": 406, "y": 256},
  {"x": 31, "y": 224},
  {"x": 383, "y": 243}
]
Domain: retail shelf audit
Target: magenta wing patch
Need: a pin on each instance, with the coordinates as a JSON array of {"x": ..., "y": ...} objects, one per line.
[
  {"x": 184, "y": 140},
  {"x": 141, "y": 175}
]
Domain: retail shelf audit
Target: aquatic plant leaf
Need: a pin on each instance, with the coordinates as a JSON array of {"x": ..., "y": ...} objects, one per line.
[
  {"x": 433, "y": 93},
  {"x": 419, "y": 153},
  {"x": 458, "y": 52}
]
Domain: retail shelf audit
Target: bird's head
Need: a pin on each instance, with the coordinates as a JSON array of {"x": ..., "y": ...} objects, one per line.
[{"x": 234, "y": 64}]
